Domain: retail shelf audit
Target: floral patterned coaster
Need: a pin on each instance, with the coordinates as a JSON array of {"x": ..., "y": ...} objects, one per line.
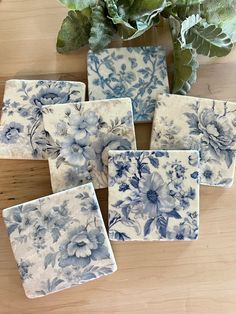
[
  {"x": 59, "y": 241},
  {"x": 138, "y": 72},
  {"x": 153, "y": 195},
  {"x": 80, "y": 136},
  {"x": 183, "y": 122},
  {"x": 22, "y": 135}
]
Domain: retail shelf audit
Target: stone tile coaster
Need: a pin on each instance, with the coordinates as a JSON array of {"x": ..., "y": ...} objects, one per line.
[
  {"x": 22, "y": 135},
  {"x": 153, "y": 195},
  {"x": 184, "y": 122},
  {"x": 138, "y": 72},
  {"x": 59, "y": 241},
  {"x": 80, "y": 137}
]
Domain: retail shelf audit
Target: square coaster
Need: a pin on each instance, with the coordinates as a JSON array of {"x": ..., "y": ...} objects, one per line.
[
  {"x": 136, "y": 72},
  {"x": 80, "y": 136},
  {"x": 184, "y": 122},
  {"x": 59, "y": 241},
  {"x": 22, "y": 135},
  {"x": 153, "y": 195}
]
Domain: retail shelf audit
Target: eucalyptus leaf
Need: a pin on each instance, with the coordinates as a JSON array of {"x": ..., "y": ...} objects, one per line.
[
  {"x": 209, "y": 40},
  {"x": 130, "y": 26},
  {"x": 142, "y": 8},
  {"x": 185, "y": 62},
  {"x": 74, "y": 32},
  {"x": 101, "y": 30},
  {"x": 223, "y": 14},
  {"x": 78, "y": 4},
  {"x": 187, "y": 24},
  {"x": 185, "y": 69},
  {"x": 119, "y": 18},
  {"x": 185, "y": 3}
]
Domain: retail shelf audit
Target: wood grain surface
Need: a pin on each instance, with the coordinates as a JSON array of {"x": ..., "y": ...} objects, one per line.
[{"x": 197, "y": 277}]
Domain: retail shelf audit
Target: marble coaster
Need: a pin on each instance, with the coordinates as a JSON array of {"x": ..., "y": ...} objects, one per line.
[
  {"x": 22, "y": 135},
  {"x": 80, "y": 136},
  {"x": 184, "y": 122},
  {"x": 59, "y": 241},
  {"x": 138, "y": 72},
  {"x": 153, "y": 195}
]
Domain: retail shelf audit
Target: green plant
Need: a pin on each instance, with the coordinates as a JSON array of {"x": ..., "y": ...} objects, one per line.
[{"x": 206, "y": 27}]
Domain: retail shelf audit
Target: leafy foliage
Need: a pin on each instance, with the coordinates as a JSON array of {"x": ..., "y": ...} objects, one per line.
[
  {"x": 101, "y": 30},
  {"x": 209, "y": 40},
  {"x": 74, "y": 32},
  {"x": 223, "y": 14},
  {"x": 205, "y": 27}
]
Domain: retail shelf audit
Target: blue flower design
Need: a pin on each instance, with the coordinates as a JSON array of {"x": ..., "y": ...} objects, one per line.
[
  {"x": 82, "y": 247},
  {"x": 90, "y": 206},
  {"x": 11, "y": 132},
  {"x": 24, "y": 269},
  {"x": 187, "y": 229},
  {"x": 155, "y": 195},
  {"x": 123, "y": 187},
  {"x": 49, "y": 96},
  {"x": 208, "y": 174},
  {"x": 77, "y": 176},
  {"x": 217, "y": 133},
  {"x": 24, "y": 112},
  {"x": 85, "y": 125},
  {"x": 76, "y": 152},
  {"x": 119, "y": 90},
  {"x": 121, "y": 168},
  {"x": 108, "y": 142},
  {"x": 38, "y": 235}
]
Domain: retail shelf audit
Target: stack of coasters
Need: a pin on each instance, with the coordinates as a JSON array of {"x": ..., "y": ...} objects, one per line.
[
  {"x": 153, "y": 195},
  {"x": 80, "y": 137},
  {"x": 22, "y": 135},
  {"x": 59, "y": 241},
  {"x": 136, "y": 72},
  {"x": 183, "y": 122}
]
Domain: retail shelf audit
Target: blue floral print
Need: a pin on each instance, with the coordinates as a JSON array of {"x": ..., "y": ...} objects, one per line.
[
  {"x": 203, "y": 124},
  {"x": 76, "y": 176},
  {"x": 49, "y": 95},
  {"x": 22, "y": 113},
  {"x": 154, "y": 196},
  {"x": 108, "y": 142},
  {"x": 85, "y": 125},
  {"x": 80, "y": 137},
  {"x": 59, "y": 241},
  {"x": 83, "y": 246},
  {"x": 11, "y": 133},
  {"x": 24, "y": 269},
  {"x": 137, "y": 72},
  {"x": 215, "y": 130},
  {"x": 76, "y": 151}
]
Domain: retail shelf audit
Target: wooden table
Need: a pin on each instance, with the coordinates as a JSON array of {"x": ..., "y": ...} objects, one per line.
[{"x": 197, "y": 277}]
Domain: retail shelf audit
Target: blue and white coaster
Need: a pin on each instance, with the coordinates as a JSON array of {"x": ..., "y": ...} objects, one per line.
[
  {"x": 80, "y": 136},
  {"x": 59, "y": 241},
  {"x": 184, "y": 122},
  {"x": 136, "y": 72},
  {"x": 153, "y": 195},
  {"x": 22, "y": 135}
]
